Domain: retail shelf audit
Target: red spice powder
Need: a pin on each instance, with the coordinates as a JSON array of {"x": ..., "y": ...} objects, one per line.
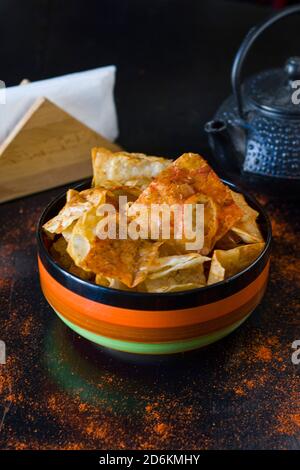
[
  {"x": 239, "y": 391},
  {"x": 289, "y": 424},
  {"x": 161, "y": 428},
  {"x": 249, "y": 384},
  {"x": 263, "y": 353},
  {"x": 25, "y": 328}
]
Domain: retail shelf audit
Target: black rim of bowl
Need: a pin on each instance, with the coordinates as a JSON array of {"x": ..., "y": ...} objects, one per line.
[{"x": 154, "y": 301}]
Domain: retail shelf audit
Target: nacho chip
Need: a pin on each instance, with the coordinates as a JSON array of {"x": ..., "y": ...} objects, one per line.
[
  {"x": 102, "y": 280},
  {"x": 211, "y": 223},
  {"x": 189, "y": 177},
  {"x": 131, "y": 193},
  {"x": 228, "y": 241},
  {"x": 169, "y": 284},
  {"x": 59, "y": 252},
  {"x": 169, "y": 248},
  {"x": 163, "y": 266},
  {"x": 110, "y": 282},
  {"x": 83, "y": 236},
  {"x": 246, "y": 227},
  {"x": 77, "y": 204},
  {"x": 85, "y": 275},
  {"x": 125, "y": 260},
  {"x": 174, "y": 281},
  {"x": 67, "y": 232},
  {"x": 123, "y": 168},
  {"x": 175, "y": 273},
  {"x": 225, "y": 264}
]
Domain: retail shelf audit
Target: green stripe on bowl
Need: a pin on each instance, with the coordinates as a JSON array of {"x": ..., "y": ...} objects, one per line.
[{"x": 168, "y": 347}]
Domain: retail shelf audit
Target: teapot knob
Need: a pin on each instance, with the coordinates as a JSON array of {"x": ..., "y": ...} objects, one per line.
[{"x": 292, "y": 68}]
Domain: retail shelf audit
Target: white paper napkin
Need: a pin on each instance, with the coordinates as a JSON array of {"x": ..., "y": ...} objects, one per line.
[{"x": 87, "y": 96}]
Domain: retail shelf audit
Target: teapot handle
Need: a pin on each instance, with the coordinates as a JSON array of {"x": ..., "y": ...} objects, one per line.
[{"x": 240, "y": 57}]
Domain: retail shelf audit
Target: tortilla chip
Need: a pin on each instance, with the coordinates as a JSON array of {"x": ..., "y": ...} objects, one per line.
[
  {"x": 228, "y": 241},
  {"x": 123, "y": 168},
  {"x": 83, "y": 236},
  {"x": 216, "y": 272},
  {"x": 211, "y": 223},
  {"x": 131, "y": 193},
  {"x": 246, "y": 227},
  {"x": 66, "y": 233},
  {"x": 169, "y": 284},
  {"x": 125, "y": 260},
  {"x": 85, "y": 275},
  {"x": 77, "y": 204},
  {"x": 169, "y": 248},
  {"x": 59, "y": 252},
  {"x": 191, "y": 176},
  {"x": 163, "y": 266},
  {"x": 110, "y": 282},
  {"x": 227, "y": 263},
  {"x": 102, "y": 281},
  {"x": 174, "y": 281},
  {"x": 175, "y": 273}
]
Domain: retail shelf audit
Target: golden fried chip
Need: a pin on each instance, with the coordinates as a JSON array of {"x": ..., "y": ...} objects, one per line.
[
  {"x": 59, "y": 252},
  {"x": 123, "y": 168},
  {"x": 163, "y": 266},
  {"x": 85, "y": 275},
  {"x": 83, "y": 236},
  {"x": 174, "y": 281},
  {"x": 227, "y": 263},
  {"x": 175, "y": 273},
  {"x": 189, "y": 177},
  {"x": 102, "y": 281},
  {"x": 131, "y": 193},
  {"x": 125, "y": 260},
  {"x": 169, "y": 284},
  {"x": 169, "y": 248},
  {"x": 77, "y": 204},
  {"x": 110, "y": 282},
  {"x": 211, "y": 223},
  {"x": 67, "y": 232},
  {"x": 228, "y": 241},
  {"x": 246, "y": 227}
]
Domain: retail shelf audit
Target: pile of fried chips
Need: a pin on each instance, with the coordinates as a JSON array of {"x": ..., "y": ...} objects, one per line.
[{"x": 232, "y": 238}]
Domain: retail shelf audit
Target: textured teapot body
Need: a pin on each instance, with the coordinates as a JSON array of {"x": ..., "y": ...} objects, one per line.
[{"x": 265, "y": 144}]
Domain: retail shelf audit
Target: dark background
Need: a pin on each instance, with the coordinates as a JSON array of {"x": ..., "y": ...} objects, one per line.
[{"x": 173, "y": 57}]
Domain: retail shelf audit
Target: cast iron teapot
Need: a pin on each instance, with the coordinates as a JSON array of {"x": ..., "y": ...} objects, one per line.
[{"x": 256, "y": 132}]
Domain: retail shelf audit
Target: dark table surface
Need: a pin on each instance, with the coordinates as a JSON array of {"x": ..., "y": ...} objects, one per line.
[{"x": 56, "y": 389}]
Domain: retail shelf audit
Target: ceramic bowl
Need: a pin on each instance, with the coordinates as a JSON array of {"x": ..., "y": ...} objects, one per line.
[{"x": 146, "y": 323}]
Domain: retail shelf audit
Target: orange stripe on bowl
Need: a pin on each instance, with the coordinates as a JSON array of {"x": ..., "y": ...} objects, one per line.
[
  {"x": 151, "y": 335},
  {"x": 145, "y": 318}
]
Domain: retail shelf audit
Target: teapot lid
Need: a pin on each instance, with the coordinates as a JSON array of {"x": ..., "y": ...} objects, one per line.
[{"x": 274, "y": 90}]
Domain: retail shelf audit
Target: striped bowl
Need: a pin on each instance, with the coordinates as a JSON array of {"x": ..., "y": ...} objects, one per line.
[{"x": 144, "y": 323}]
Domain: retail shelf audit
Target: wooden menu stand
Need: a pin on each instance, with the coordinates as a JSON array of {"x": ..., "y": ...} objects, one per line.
[{"x": 47, "y": 148}]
